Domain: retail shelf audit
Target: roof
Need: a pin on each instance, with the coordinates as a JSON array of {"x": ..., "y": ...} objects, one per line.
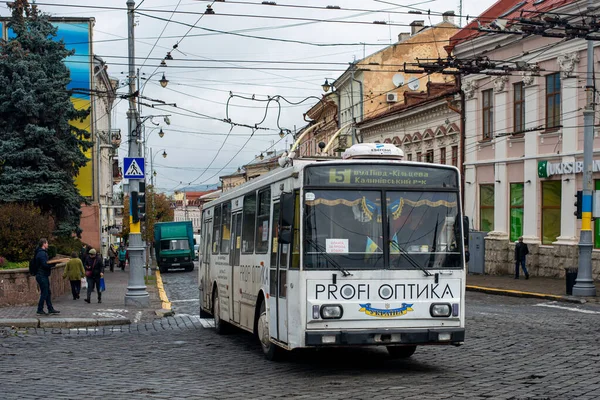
[
  {"x": 508, "y": 10},
  {"x": 196, "y": 195}
]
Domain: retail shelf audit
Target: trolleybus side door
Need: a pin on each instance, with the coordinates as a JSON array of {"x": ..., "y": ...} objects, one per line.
[{"x": 235, "y": 248}]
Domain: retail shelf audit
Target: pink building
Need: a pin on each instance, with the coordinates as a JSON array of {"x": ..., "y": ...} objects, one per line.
[{"x": 524, "y": 139}]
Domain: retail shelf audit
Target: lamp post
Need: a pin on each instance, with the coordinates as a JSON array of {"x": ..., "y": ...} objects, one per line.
[{"x": 153, "y": 172}]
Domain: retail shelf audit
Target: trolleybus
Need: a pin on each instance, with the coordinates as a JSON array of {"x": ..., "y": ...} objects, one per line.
[{"x": 366, "y": 250}]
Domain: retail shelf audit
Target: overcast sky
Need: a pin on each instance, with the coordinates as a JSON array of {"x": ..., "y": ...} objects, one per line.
[{"x": 208, "y": 65}]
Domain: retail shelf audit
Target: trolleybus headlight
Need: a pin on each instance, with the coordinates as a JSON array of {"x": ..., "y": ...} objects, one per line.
[
  {"x": 332, "y": 311},
  {"x": 440, "y": 310}
]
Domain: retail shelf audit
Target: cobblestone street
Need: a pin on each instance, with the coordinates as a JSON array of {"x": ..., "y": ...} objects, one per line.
[{"x": 515, "y": 348}]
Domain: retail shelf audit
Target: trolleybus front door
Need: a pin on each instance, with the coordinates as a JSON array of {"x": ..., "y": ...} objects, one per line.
[
  {"x": 205, "y": 285},
  {"x": 278, "y": 282}
]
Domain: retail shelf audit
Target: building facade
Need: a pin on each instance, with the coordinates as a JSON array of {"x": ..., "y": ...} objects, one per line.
[
  {"x": 426, "y": 126},
  {"x": 524, "y": 142},
  {"x": 188, "y": 207}
]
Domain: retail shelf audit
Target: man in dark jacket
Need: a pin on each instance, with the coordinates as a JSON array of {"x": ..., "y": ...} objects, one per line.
[
  {"x": 521, "y": 252},
  {"x": 43, "y": 278},
  {"x": 94, "y": 270}
]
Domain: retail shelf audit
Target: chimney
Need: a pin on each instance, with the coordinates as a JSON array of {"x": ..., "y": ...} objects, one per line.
[
  {"x": 403, "y": 36},
  {"x": 416, "y": 26},
  {"x": 448, "y": 17}
]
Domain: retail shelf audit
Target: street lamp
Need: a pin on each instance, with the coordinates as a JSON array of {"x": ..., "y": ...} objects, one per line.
[
  {"x": 161, "y": 134},
  {"x": 326, "y": 86},
  {"x": 164, "y": 154},
  {"x": 152, "y": 155},
  {"x": 163, "y": 81}
]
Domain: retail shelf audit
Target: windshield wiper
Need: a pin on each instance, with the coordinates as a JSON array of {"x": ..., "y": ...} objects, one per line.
[
  {"x": 411, "y": 260},
  {"x": 328, "y": 257}
]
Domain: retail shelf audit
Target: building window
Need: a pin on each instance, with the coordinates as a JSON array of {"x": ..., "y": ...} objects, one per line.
[
  {"x": 519, "y": 107},
  {"x": 409, "y": 157},
  {"x": 551, "y": 194},
  {"x": 516, "y": 211},
  {"x": 455, "y": 156},
  {"x": 429, "y": 156},
  {"x": 553, "y": 101},
  {"x": 488, "y": 113},
  {"x": 486, "y": 208},
  {"x": 443, "y": 155},
  {"x": 419, "y": 157}
]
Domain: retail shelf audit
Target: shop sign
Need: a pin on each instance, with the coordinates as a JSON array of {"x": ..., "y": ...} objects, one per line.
[{"x": 547, "y": 168}]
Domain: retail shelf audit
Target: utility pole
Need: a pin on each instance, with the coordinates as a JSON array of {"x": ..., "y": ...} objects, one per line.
[
  {"x": 584, "y": 285},
  {"x": 136, "y": 288}
]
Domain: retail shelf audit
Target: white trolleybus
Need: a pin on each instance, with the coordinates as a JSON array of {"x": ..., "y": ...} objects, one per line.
[{"x": 365, "y": 250}]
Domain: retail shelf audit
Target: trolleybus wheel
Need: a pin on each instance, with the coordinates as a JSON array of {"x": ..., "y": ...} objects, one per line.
[
  {"x": 272, "y": 351},
  {"x": 401, "y": 351},
  {"x": 219, "y": 324}
]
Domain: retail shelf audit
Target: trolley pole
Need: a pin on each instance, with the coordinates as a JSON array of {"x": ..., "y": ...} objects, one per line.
[
  {"x": 584, "y": 285},
  {"x": 136, "y": 288}
]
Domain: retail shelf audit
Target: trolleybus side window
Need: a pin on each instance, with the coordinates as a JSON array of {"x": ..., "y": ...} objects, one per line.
[
  {"x": 274, "y": 240},
  {"x": 216, "y": 230},
  {"x": 262, "y": 221},
  {"x": 225, "y": 228},
  {"x": 249, "y": 223}
]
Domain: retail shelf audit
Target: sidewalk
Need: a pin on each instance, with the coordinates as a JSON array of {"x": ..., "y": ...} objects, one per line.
[
  {"x": 534, "y": 287},
  {"x": 77, "y": 313}
]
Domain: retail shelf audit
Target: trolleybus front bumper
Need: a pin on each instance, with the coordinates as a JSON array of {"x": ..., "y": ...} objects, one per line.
[{"x": 453, "y": 336}]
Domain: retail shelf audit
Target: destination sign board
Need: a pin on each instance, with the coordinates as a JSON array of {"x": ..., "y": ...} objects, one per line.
[{"x": 380, "y": 175}]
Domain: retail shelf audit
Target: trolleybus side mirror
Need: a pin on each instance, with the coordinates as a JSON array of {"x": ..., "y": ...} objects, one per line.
[
  {"x": 286, "y": 217},
  {"x": 466, "y": 230},
  {"x": 286, "y": 202}
]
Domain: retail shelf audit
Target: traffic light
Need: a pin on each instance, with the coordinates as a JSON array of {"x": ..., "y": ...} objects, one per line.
[
  {"x": 578, "y": 204},
  {"x": 142, "y": 202},
  {"x": 133, "y": 208}
]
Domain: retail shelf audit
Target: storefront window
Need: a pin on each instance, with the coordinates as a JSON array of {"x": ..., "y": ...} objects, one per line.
[
  {"x": 516, "y": 211},
  {"x": 486, "y": 208},
  {"x": 551, "y": 194}
]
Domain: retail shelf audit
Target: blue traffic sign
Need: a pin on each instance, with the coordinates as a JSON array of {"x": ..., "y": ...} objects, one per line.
[{"x": 134, "y": 167}]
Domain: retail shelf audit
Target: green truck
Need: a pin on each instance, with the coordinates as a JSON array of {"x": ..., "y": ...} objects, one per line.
[{"x": 174, "y": 245}]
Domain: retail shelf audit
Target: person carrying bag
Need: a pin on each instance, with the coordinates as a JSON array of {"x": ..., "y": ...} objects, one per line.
[{"x": 94, "y": 270}]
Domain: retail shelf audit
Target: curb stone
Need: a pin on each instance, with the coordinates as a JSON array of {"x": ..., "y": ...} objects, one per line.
[
  {"x": 517, "y": 293},
  {"x": 19, "y": 322},
  {"x": 61, "y": 322}
]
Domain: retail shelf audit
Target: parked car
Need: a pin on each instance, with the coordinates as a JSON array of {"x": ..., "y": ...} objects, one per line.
[{"x": 196, "y": 252}]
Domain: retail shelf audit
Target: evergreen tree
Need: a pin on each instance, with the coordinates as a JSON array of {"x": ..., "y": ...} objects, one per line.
[{"x": 40, "y": 151}]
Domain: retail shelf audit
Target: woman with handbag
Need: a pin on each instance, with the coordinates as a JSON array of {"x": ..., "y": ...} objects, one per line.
[{"x": 94, "y": 270}]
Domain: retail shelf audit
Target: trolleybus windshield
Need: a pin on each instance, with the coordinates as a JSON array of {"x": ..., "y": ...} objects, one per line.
[{"x": 350, "y": 225}]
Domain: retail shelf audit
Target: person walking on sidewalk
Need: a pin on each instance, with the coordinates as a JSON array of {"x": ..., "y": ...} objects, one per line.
[
  {"x": 43, "y": 278},
  {"x": 122, "y": 257},
  {"x": 111, "y": 257},
  {"x": 94, "y": 270},
  {"x": 521, "y": 252},
  {"x": 74, "y": 271}
]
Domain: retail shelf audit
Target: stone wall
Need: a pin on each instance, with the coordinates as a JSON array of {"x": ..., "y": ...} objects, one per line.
[
  {"x": 547, "y": 261},
  {"x": 17, "y": 287}
]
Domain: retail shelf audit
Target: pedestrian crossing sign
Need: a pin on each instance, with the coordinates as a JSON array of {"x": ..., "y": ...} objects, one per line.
[{"x": 134, "y": 167}]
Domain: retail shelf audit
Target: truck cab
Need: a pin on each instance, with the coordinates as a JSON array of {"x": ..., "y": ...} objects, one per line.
[{"x": 174, "y": 245}]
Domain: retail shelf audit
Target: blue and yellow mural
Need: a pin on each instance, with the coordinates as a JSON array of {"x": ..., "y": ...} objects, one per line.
[{"x": 77, "y": 35}]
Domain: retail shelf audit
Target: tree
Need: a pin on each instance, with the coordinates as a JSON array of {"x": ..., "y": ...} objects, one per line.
[{"x": 40, "y": 151}]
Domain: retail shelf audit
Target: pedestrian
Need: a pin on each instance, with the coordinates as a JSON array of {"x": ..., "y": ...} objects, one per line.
[
  {"x": 521, "y": 252},
  {"x": 74, "y": 271},
  {"x": 111, "y": 257},
  {"x": 94, "y": 270},
  {"x": 83, "y": 252},
  {"x": 43, "y": 278},
  {"x": 122, "y": 257}
]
